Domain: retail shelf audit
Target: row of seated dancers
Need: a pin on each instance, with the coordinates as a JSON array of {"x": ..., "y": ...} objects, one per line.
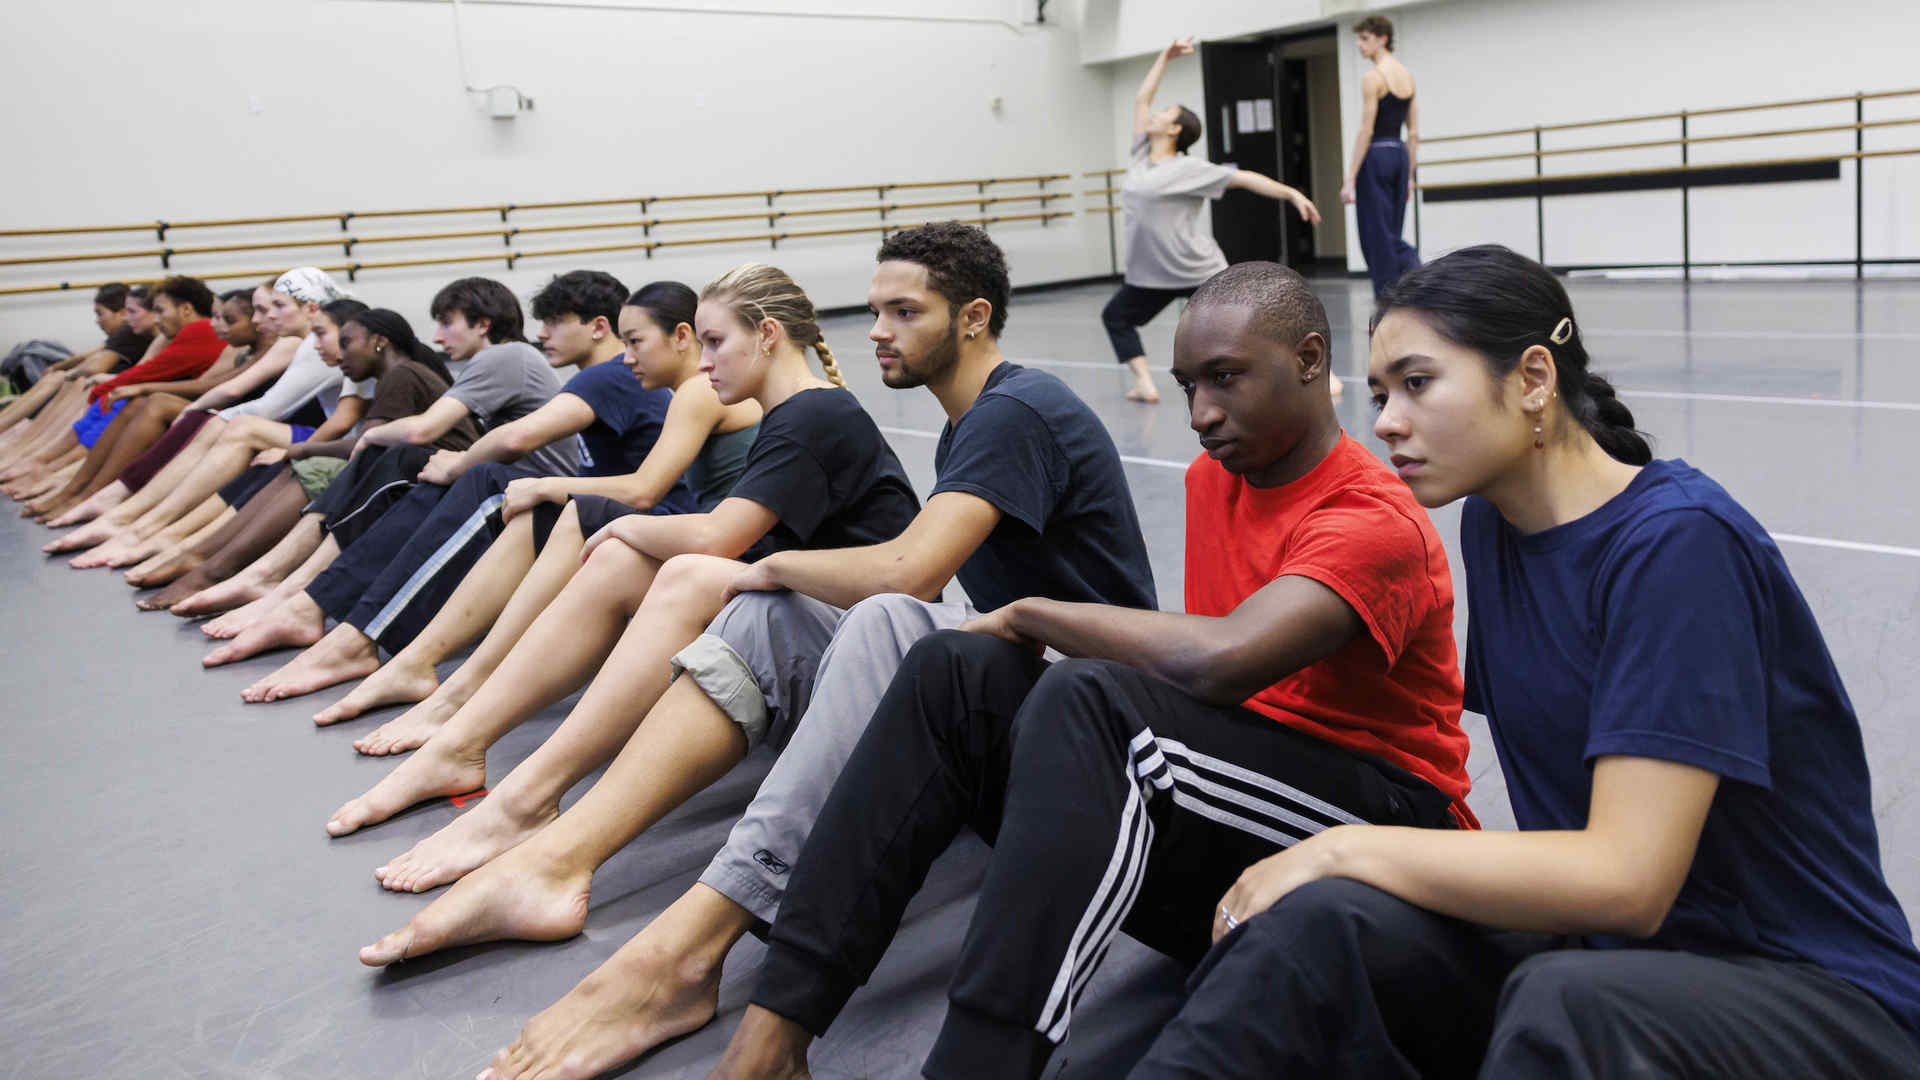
[{"x": 1269, "y": 786}]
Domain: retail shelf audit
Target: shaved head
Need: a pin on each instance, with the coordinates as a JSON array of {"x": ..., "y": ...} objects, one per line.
[{"x": 1284, "y": 308}]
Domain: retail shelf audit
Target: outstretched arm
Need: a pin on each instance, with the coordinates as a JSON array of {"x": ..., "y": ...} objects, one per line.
[
  {"x": 1289, "y": 623},
  {"x": 691, "y": 418},
  {"x": 1619, "y": 875},
  {"x": 1149, "y": 86},
  {"x": 1371, "y": 87},
  {"x": 1247, "y": 180},
  {"x": 562, "y": 416}
]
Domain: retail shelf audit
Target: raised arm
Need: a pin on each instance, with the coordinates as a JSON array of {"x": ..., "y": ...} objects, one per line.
[
  {"x": 1247, "y": 180},
  {"x": 1289, "y": 623},
  {"x": 918, "y": 562},
  {"x": 1149, "y": 86},
  {"x": 691, "y": 418},
  {"x": 1372, "y": 86},
  {"x": 1619, "y": 875}
]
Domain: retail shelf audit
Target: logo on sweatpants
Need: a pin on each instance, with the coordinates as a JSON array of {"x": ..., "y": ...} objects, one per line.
[{"x": 771, "y": 861}]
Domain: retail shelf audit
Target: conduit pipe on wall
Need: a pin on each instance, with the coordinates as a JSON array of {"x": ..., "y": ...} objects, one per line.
[{"x": 760, "y": 13}]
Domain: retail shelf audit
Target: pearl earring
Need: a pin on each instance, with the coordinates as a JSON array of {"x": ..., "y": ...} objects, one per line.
[{"x": 1538, "y": 442}]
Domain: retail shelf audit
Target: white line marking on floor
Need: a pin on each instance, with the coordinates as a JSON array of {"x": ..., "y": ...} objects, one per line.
[
  {"x": 1664, "y": 395},
  {"x": 1760, "y": 399},
  {"x": 1784, "y": 538}
]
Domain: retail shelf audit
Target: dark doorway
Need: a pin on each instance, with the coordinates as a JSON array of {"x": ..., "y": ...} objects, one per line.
[{"x": 1260, "y": 109}]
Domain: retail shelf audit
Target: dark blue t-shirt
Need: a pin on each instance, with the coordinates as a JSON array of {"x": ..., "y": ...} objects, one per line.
[
  {"x": 628, "y": 419},
  {"x": 1665, "y": 625},
  {"x": 1068, "y": 530}
]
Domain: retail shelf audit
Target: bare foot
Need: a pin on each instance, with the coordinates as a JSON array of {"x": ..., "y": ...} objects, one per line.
[
  {"x": 641, "y": 997},
  {"x": 164, "y": 568},
  {"x": 394, "y": 683},
  {"x": 107, "y": 554},
  {"x": 520, "y": 903},
  {"x": 291, "y": 625},
  {"x": 466, "y": 843},
  {"x": 184, "y": 586},
  {"x": 1144, "y": 392},
  {"x": 411, "y": 728},
  {"x": 94, "y": 534},
  {"x": 766, "y": 1046},
  {"x": 140, "y": 551},
  {"x": 248, "y": 612},
  {"x": 345, "y": 653},
  {"x": 79, "y": 515},
  {"x": 433, "y": 773}
]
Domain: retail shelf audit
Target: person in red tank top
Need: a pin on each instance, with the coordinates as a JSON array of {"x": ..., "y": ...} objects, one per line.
[{"x": 1311, "y": 683}]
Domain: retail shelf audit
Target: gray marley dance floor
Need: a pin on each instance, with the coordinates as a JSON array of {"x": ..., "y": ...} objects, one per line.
[{"x": 174, "y": 908}]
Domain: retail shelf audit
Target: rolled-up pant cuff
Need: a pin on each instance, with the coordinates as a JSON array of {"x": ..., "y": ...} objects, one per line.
[
  {"x": 973, "y": 1044},
  {"x": 802, "y": 989}
]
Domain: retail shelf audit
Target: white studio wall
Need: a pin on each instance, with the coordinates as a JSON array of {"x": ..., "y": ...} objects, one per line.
[
  {"x": 1499, "y": 64},
  {"x": 230, "y": 109}
]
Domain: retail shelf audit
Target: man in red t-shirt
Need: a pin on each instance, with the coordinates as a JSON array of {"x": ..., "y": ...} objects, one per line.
[{"x": 1311, "y": 683}]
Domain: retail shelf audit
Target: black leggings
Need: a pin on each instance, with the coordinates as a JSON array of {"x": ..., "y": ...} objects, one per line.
[
  {"x": 1341, "y": 980},
  {"x": 1132, "y": 308}
]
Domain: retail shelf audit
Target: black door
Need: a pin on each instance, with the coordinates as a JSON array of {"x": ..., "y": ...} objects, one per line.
[
  {"x": 1296, "y": 161},
  {"x": 1242, "y": 127}
]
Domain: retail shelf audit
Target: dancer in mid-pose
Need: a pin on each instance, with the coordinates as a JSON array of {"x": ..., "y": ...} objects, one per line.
[
  {"x": 1170, "y": 246},
  {"x": 1380, "y": 178}
]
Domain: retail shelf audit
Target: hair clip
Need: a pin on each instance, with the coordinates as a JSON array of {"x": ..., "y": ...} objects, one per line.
[{"x": 1562, "y": 332}]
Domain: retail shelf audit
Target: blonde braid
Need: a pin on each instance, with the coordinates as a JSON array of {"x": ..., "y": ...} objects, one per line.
[{"x": 827, "y": 364}]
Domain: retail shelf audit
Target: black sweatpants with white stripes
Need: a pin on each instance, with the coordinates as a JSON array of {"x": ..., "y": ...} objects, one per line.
[{"x": 1113, "y": 801}]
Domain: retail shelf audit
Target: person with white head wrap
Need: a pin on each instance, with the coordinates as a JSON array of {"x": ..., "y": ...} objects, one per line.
[{"x": 310, "y": 285}]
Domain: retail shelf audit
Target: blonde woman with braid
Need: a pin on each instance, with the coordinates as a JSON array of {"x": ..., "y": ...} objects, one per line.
[{"x": 820, "y": 474}]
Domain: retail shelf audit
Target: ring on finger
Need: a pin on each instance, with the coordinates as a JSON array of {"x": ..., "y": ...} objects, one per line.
[{"x": 1227, "y": 918}]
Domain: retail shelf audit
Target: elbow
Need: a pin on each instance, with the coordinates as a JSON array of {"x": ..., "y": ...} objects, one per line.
[
  {"x": 1206, "y": 674},
  {"x": 518, "y": 443},
  {"x": 1639, "y": 915},
  {"x": 901, "y": 576}
]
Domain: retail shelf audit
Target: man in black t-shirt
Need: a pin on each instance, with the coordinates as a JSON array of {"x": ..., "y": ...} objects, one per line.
[{"x": 1031, "y": 500}]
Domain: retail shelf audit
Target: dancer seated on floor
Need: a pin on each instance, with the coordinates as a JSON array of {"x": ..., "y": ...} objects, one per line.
[
  {"x": 124, "y": 346},
  {"x": 1695, "y": 888},
  {"x": 152, "y": 407},
  {"x": 1311, "y": 682},
  {"x": 44, "y": 443},
  {"x": 243, "y": 434},
  {"x": 820, "y": 474},
  {"x": 615, "y": 419},
  {"x": 1031, "y": 499},
  {"x": 619, "y": 424},
  {"x": 181, "y": 305},
  {"x": 263, "y": 388},
  {"x": 459, "y": 574},
  {"x": 375, "y": 346},
  {"x": 1170, "y": 244},
  {"x": 214, "y": 512}
]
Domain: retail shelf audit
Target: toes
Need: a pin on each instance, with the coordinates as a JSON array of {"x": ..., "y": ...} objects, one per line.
[{"x": 390, "y": 949}]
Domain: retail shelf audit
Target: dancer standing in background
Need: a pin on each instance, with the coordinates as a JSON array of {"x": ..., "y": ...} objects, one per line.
[
  {"x": 1170, "y": 246},
  {"x": 1380, "y": 179}
]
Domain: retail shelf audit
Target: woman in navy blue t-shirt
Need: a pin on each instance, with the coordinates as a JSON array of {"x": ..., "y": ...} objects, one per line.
[{"x": 1695, "y": 889}]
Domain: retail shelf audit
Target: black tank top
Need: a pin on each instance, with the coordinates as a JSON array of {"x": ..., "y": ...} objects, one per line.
[{"x": 1390, "y": 114}]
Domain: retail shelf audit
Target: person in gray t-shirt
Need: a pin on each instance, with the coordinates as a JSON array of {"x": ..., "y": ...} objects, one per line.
[{"x": 1170, "y": 245}]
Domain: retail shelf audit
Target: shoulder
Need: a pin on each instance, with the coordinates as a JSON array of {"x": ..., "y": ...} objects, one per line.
[{"x": 1372, "y": 83}]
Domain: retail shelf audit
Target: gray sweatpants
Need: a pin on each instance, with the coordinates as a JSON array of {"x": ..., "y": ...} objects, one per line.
[{"x": 805, "y": 676}]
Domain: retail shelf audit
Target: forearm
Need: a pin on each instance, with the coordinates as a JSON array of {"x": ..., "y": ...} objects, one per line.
[
  {"x": 1267, "y": 186},
  {"x": 1360, "y": 144},
  {"x": 628, "y": 489},
  {"x": 1150, "y": 85},
  {"x": 315, "y": 447},
  {"x": 338, "y": 426},
  {"x": 1553, "y": 882},
  {"x": 406, "y": 431},
  {"x": 1173, "y": 647},
  {"x": 661, "y": 538},
  {"x": 844, "y": 577},
  {"x": 494, "y": 446}
]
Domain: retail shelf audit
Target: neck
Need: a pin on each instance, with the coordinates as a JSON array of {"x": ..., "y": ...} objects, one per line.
[
  {"x": 787, "y": 375},
  {"x": 603, "y": 350},
  {"x": 960, "y": 385},
  {"x": 1160, "y": 148},
  {"x": 1307, "y": 453},
  {"x": 1380, "y": 58},
  {"x": 1564, "y": 482}
]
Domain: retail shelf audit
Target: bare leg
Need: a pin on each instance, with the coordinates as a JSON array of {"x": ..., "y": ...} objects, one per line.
[
  {"x": 150, "y": 417},
  {"x": 635, "y": 676},
  {"x": 245, "y": 437},
  {"x": 293, "y": 621},
  {"x": 181, "y": 557},
  {"x": 265, "y": 520},
  {"x": 766, "y": 1046},
  {"x": 17, "y": 412},
  {"x": 127, "y": 552},
  {"x": 111, "y": 524},
  {"x": 253, "y": 585},
  {"x": 344, "y": 654},
  {"x": 93, "y": 506},
  {"x": 685, "y": 744},
  {"x": 1142, "y": 389},
  {"x": 506, "y": 590},
  {"x": 106, "y": 444},
  {"x": 559, "y": 652},
  {"x": 664, "y": 982}
]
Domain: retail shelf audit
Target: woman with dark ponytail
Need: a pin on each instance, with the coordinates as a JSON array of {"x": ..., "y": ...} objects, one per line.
[{"x": 1695, "y": 885}]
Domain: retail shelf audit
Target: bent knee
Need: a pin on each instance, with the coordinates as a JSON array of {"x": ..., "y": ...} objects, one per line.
[{"x": 699, "y": 573}]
